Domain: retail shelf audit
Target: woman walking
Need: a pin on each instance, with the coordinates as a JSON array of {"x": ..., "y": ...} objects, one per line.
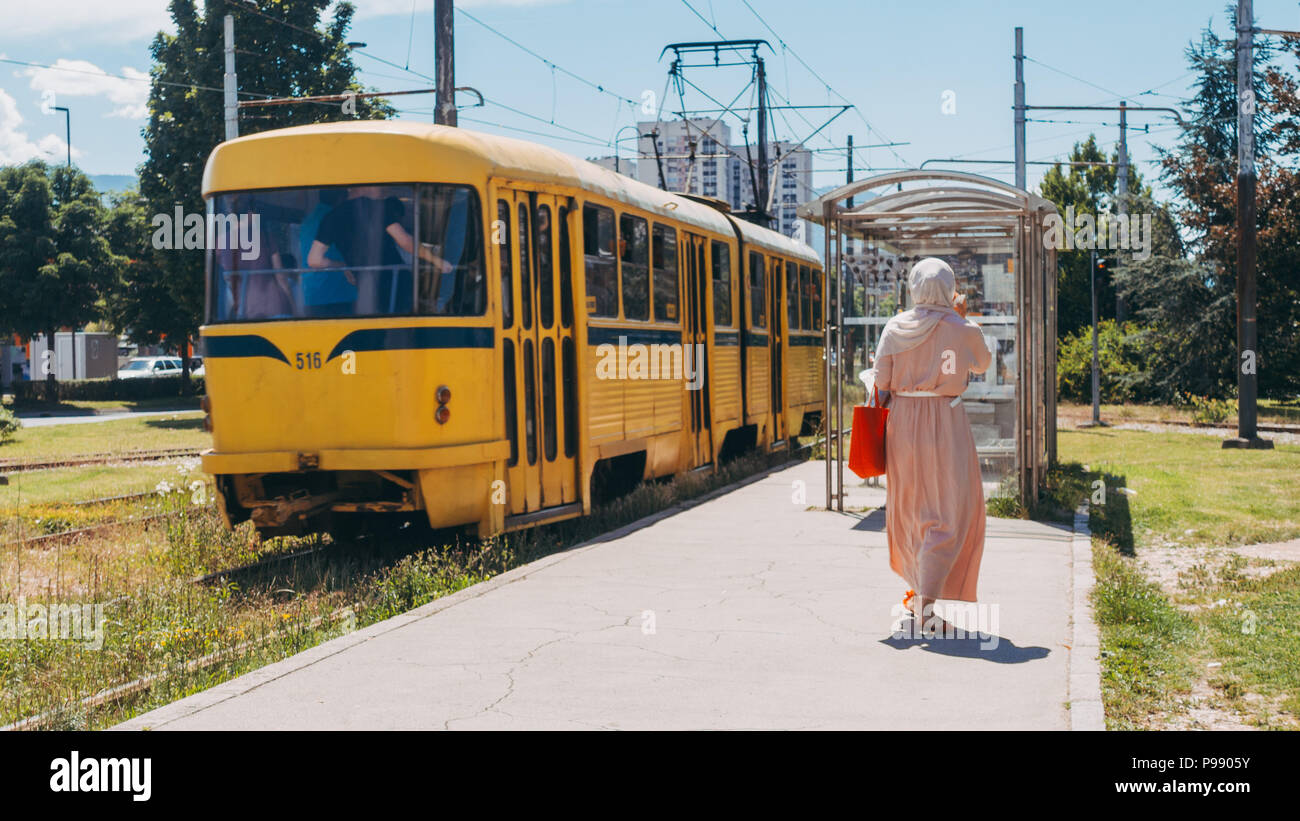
[{"x": 934, "y": 508}]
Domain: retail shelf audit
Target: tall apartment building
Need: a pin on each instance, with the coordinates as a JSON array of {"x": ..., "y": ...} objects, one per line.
[
  {"x": 789, "y": 179},
  {"x": 623, "y": 165},
  {"x": 720, "y": 169},
  {"x": 703, "y": 139}
]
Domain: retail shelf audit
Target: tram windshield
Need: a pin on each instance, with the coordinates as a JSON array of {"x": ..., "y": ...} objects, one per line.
[{"x": 345, "y": 251}]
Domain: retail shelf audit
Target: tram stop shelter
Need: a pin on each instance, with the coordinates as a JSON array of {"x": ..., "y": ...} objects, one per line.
[{"x": 992, "y": 234}]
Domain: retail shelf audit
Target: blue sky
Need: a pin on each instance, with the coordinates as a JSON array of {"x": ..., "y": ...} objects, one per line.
[{"x": 894, "y": 60}]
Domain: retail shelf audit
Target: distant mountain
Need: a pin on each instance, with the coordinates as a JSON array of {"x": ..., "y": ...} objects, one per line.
[{"x": 111, "y": 183}]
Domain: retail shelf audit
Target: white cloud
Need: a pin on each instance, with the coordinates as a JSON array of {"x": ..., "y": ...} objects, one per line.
[
  {"x": 105, "y": 19},
  {"x": 16, "y": 147},
  {"x": 79, "y": 78},
  {"x": 102, "y": 19}
]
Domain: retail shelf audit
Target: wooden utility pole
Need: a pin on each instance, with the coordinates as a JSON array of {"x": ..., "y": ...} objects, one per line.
[
  {"x": 1247, "y": 329},
  {"x": 445, "y": 68}
]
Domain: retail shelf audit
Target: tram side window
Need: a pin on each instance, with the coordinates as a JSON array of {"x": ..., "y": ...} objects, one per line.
[
  {"x": 450, "y": 266},
  {"x": 721, "y": 284},
  {"x": 566, "y": 271},
  {"x": 506, "y": 250},
  {"x": 792, "y": 295},
  {"x": 545, "y": 271},
  {"x": 634, "y": 242},
  {"x": 599, "y": 260},
  {"x": 525, "y": 266},
  {"x": 805, "y": 303},
  {"x": 757, "y": 291},
  {"x": 664, "y": 246},
  {"x": 817, "y": 300}
]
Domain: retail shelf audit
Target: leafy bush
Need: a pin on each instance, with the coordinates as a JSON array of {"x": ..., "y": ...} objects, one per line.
[
  {"x": 1207, "y": 410},
  {"x": 9, "y": 424},
  {"x": 1120, "y": 360},
  {"x": 123, "y": 390}
]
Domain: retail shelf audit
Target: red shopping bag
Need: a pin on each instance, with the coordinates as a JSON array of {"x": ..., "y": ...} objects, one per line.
[{"x": 867, "y": 442}]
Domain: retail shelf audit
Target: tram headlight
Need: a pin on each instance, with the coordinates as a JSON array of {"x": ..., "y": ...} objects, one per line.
[
  {"x": 443, "y": 395},
  {"x": 442, "y": 414}
]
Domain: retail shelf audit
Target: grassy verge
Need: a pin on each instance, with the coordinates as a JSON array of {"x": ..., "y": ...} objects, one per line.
[
  {"x": 53, "y": 501},
  {"x": 1188, "y": 490},
  {"x": 76, "y": 484},
  {"x": 180, "y": 430},
  {"x": 1219, "y": 645},
  {"x": 190, "y": 637}
]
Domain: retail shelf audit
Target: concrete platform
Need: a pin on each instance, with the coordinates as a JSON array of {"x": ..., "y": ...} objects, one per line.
[{"x": 750, "y": 610}]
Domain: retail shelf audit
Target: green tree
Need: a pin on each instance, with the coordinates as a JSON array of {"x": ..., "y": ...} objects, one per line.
[
  {"x": 55, "y": 264},
  {"x": 1092, "y": 189},
  {"x": 1190, "y": 306},
  {"x": 284, "y": 50},
  {"x": 140, "y": 301}
]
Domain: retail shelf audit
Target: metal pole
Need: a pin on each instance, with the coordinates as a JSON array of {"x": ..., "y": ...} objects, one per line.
[
  {"x": 67, "y": 130},
  {"x": 1247, "y": 384},
  {"x": 229, "y": 81},
  {"x": 67, "y": 195},
  {"x": 839, "y": 366},
  {"x": 1020, "y": 108},
  {"x": 444, "y": 48},
  {"x": 761, "y": 195},
  {"x": 828, "y": 418},
  {"x": 1121, "y": 187},
  {"x": 849, "y": 177},
  {"x": 1096, "y": 372}
]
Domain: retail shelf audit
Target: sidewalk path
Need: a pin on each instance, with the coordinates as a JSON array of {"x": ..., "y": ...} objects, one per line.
[
  {"x": 747, "y": 611},
  {"x": 34, "y": 419}
]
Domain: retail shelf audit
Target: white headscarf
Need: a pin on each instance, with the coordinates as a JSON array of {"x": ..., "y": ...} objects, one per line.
[{"x": 933, "y": 287}]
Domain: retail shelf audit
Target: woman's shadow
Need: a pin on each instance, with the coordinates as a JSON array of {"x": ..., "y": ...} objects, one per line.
[{"x": 985, "y": 646}]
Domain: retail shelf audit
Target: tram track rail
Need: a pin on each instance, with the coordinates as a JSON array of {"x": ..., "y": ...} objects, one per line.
[
  {"x": 1266, "y": 427},
  {"x": 81, "y": 460},
  {"x": 45, "y": 539}
]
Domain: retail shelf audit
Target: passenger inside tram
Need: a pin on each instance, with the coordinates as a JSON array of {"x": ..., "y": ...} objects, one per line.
[{"x": 375, "y": 265}]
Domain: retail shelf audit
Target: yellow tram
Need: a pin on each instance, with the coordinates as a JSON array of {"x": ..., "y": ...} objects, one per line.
[{"x": 407, "y": 317}]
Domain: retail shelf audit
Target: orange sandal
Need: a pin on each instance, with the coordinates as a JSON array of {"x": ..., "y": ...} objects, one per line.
[{"x": 907, "y": 599}]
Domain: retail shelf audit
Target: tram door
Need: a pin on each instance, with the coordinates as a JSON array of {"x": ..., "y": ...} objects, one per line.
[
  {"x": 695, "y": 335},
  {"x": 776, "y": 341},
  {"x": 544, "y": 427}
]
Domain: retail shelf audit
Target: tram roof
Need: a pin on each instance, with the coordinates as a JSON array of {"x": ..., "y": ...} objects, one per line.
[{"x": 349, "y": 153}]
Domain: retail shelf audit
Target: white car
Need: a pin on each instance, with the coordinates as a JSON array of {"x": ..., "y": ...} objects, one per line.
[{"x": 150, "y": 367}]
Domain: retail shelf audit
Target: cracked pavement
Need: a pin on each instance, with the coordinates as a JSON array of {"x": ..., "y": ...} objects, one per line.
[{"x": 748, "y": 611}]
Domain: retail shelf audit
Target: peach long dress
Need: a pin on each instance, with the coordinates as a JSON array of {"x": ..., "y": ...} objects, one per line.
[{"x": 934, "y": 508}]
